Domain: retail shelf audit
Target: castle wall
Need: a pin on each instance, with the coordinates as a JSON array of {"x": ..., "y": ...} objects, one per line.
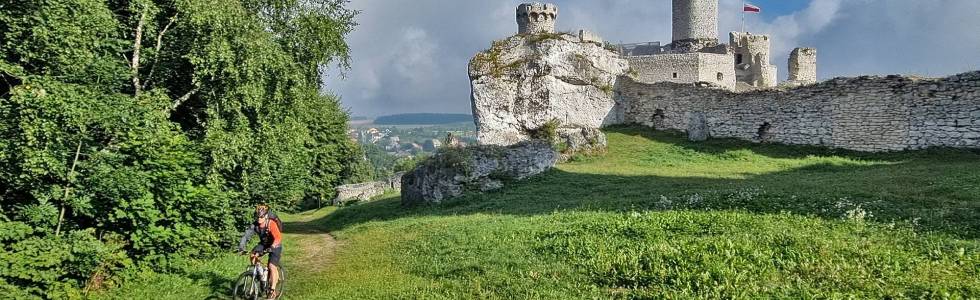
[
  {"x": 694, "y": 19},
  {"x": 803, "y": 65},
  {"x": 754, "y": 68},
  {"x": 688, "y": 68},
  {"x": 863, "y": 113},
  {"x": 711, "y": 65}
]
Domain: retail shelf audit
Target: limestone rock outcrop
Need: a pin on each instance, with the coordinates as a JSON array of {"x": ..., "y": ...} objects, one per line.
[
  {"x": 571, "y": 141},
  {"x": 452, "y": 171},
  {"x": 525, "y": 81}
]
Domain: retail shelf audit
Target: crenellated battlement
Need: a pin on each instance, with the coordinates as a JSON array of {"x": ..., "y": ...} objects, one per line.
[{"x": 536, "y": 18}]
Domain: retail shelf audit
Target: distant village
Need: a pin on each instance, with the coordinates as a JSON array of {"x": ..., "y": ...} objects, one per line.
[{"x": 401, "y": 141}]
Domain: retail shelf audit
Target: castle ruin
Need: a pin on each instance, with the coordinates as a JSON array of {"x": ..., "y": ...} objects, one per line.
[
  {"x": 536, "y": 18},
  {"x": 706, "y": 88},
  {"x": 696, "y": 55},
  {"x": 803, "y": 66}
]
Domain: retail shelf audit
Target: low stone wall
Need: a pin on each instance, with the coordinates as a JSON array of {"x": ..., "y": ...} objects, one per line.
[
  {"x": 867, "y": 113},
  {"x": 367, "y": 190}
]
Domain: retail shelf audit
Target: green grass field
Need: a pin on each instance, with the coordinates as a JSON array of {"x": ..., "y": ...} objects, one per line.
[{"x": 655, "y": 217}]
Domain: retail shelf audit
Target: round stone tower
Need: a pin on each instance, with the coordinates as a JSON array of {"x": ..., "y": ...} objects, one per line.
[
  {"x": 536, "y": 18},
  {"x": 695, "y": 20}
]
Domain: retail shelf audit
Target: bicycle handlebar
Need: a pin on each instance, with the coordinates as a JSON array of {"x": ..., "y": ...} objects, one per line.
[{"x": 263, "y": 252}]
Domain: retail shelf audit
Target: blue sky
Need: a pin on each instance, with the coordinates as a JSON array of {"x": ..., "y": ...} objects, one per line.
[
  {"x": 411, "y": 55},
  {"x": 774, "y": 8}
]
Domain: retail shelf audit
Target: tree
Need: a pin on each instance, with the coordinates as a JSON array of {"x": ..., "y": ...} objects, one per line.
[{"x": 146, "y": 128}]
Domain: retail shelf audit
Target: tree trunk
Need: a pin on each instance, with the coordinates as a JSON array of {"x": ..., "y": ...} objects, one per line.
[
  {"x": 64, "y": 199},
  {"x": 156, "y": 56},
  {"x": 135, "y": 64}
]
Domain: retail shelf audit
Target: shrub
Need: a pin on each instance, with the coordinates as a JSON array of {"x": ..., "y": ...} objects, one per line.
[
  {"x": 543, "y": 36},
  {"x": 547, "y": 131},
  {"x": 56, "y": 267}
]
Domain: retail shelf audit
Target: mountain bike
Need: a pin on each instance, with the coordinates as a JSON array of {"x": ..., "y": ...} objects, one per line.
[{"x": 253, "y": 283}]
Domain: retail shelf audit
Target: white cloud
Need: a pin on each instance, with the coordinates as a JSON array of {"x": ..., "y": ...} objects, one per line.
[{"x": 411, "y": 56}]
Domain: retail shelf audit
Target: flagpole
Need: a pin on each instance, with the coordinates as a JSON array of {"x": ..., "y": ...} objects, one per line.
[{"x": 743, "y": 16}]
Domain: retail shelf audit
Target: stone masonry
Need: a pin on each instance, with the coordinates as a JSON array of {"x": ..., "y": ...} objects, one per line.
[
  {"x": 803, "y": 66},
  {"x": 684, "y": 68},
  {"x": 867, "y": 113},
  {"x": 529, "y": 80},
  {"x": 752, "y": 59},
  {"x": 536, "y": 18},
  {"x": 694, "y": 20}
]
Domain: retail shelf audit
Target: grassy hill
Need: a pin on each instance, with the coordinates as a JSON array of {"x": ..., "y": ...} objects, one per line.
[
  {"x": 423, "y": 119},
  {"x": 656, "y": 217}
]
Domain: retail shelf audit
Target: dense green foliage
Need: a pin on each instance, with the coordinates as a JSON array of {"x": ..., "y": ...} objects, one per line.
[
  {"x": 385, "y": 165},
  {"x": 659, "y": 217},
  {"x": 138, "y": 133},
  {"x": 423, "y": 119}
]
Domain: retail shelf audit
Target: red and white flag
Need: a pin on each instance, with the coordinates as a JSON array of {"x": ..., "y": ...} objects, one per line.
[{"x": 751, "y": 8}]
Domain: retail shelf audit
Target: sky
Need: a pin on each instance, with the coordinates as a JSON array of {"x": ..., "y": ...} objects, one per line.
[{"x": 411, "y": 56}]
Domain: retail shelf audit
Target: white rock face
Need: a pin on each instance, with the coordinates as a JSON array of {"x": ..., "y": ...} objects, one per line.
[
  {"x": 450, "y": 173},
  {"x": 525, "y": 81}
]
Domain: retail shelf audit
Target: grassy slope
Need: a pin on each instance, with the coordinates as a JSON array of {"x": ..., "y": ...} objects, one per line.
[{"x": 660, "y": 217}]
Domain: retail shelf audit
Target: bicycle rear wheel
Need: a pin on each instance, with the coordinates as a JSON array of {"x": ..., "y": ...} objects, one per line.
[{"x": 245, "y": 287}]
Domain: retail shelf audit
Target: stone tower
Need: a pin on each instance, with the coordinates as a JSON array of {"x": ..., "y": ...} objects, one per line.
[
  {"x": 803, "y": 65},
  {"x": 752, "y": 59},
  {"x": 536, "y": 18},
  {"x": 695, "y": 20}
]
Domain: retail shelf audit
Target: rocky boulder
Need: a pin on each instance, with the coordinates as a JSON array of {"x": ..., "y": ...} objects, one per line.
[
  {"x": 452, "y": 171},
  {"x": 571, "y": 141},
  {"x": 350, "y": 193},
  {"x": 525, "y": 81}
]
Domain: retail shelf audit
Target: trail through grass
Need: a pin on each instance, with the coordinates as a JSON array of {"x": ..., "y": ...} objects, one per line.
[{"x": 657, "y": 217}]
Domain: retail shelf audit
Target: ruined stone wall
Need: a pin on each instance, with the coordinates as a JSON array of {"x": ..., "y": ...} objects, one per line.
[
  {"x": 367, "y": 190},
  {"x": 536, "y": 18},
  {"x": 717, "y": 69},
  {"x": 694, "y": 19},
  {"x": 803, "y": 65},
  {"x": 586, "y": 36},
  {"x": 684, "y": 68},
  {"x": 865, "y": 113},
  {"x": 754, "y": 68}
]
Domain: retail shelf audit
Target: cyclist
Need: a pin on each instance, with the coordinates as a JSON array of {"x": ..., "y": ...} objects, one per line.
[{"x": 267, "y": 226}]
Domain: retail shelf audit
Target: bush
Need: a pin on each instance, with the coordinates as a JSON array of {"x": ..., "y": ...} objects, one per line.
[
  {"x": 548, "y": 131},
  {"x": 56, "y": 267}
]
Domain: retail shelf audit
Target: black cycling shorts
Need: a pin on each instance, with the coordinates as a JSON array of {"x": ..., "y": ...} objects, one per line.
[{"x": 274, "y": 253}]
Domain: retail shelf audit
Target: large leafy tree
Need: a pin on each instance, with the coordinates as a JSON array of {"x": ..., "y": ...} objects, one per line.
[{"x": 150, "y": 126}]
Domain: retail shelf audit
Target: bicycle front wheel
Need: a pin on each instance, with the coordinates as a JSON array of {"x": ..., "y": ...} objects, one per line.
[
  {"x": 245, "y": 287},
  {"x": 281, "y": 285}
]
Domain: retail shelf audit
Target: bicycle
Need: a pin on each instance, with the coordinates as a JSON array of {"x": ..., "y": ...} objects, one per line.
[{"x": 251, "y": 286}]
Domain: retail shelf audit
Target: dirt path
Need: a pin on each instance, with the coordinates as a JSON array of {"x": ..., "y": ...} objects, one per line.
[
  {"x": 313, "y": 248},
  {"x": 314, "y": 251}
]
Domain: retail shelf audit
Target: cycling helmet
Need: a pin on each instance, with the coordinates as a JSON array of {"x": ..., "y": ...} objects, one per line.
[{"x": 261, "y": 210}]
